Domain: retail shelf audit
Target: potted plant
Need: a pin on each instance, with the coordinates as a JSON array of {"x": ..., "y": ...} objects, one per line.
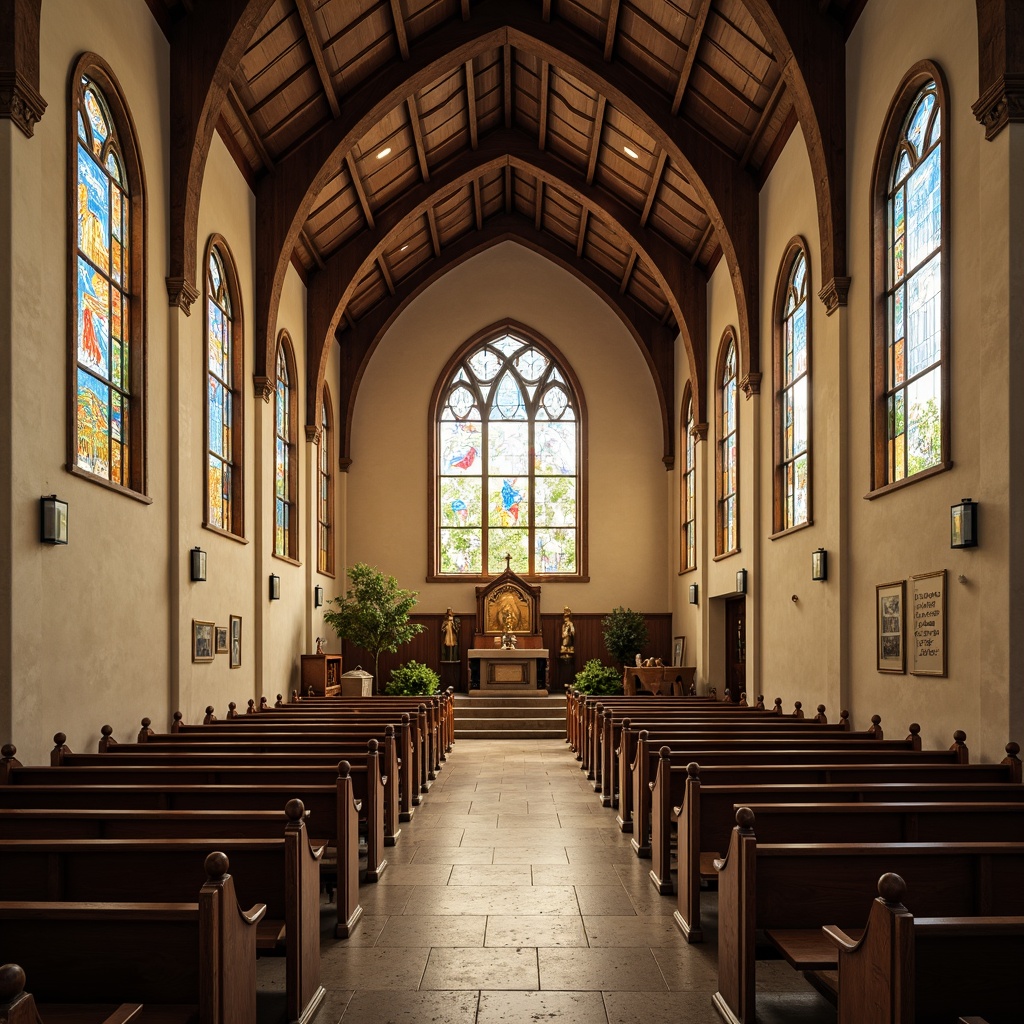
[
  {"x": 412, "y": 679},
  {"x": 625, "y": 634},
  {"x": 374, "y": 614},
  {"x": 598, "y": 678}
]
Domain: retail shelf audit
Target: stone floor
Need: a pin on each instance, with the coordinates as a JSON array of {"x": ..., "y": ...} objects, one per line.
[{"x": 512, "y": 897}]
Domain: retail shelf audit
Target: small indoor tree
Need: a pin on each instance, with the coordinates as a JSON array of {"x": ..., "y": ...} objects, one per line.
[
  {"x": 625, "y": 634},
  {"x": 374, "y": 614}
]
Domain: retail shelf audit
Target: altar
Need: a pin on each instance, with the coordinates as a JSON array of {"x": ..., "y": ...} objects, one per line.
[{"x": 497, "y": 671}]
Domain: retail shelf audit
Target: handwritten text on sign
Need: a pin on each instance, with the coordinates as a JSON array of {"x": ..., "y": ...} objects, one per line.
[{"x": 928, "y": 608}]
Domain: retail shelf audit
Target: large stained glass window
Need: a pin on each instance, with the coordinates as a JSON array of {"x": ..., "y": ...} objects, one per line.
[
  {"x": 285, "y": 525},
  {"x": 688, "y": 489},
  {"x": 792, "y": 399},
  {"x": 727, "y": 475},
  {"x": 508, "y": 442},
  {"x": 911, "y": 426},
  {"x": 325, "y": 491},
  {"x": 107, "y": 382},
  {"x": 223, "y": 394}
]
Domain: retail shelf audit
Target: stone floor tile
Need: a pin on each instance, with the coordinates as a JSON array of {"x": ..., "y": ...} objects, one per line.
[
  {"x": 603, "y": 899},
  {"x": 490, "y": 968},
  {"x": 563, "y": 874},
  {"x": 563, "y": 1007},
  {"x": 535, "y": 930},
  {"x": 376, "y": 968},
  {"x": 431, "y": 854},
  {"x": 333, "y": 1007},
  {"x": 410, "y": 1008},
  {"x": 600, "y": 970},
  {"x": 433, "y": 930},
  {"x": 591, "y": 854},
  {"x": 545, "y": 819},
  {"x": 608, "y": 930},
  {"x": 493, "y": 899},
  {"x": 585, "y": 820},
  {"x": 544, "y": 854},
  {"x": 491, "y": 874},
  {"x": 384, "y": 900},
  {"x": 659, "y": 1008},
  {"x": 688, "y": 968},
  {"x": 368, "y": 927},
  {"x": 416, "y": 874}
]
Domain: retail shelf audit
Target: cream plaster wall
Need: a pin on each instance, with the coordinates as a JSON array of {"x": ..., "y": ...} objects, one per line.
[
  {"x": 89, "y": 635},
  {"x": 906, "y": 532},
  {"x": 387, "y": 485}
]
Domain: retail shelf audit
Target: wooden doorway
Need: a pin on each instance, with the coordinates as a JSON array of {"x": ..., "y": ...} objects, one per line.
[{"x": 736, "y": 646}]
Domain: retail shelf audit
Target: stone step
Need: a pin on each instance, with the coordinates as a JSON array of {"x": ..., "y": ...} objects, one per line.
[
  {"x": 510, "y": 734},
  {"x": 546, "y": 714}
]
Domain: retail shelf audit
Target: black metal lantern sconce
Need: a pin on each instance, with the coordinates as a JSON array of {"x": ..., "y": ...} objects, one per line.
[
  {"x": 963, "y": 524},
  {"x": 275, "y": 587},
  {"x": 819, "y": 565},
  {"x": 693, "y": 593},
  {"x": 53, "y": 520},
  {"x": 197, "y": 565},
  {"x": 741, "y": 581},
  {"x": 318, "y": 596}
]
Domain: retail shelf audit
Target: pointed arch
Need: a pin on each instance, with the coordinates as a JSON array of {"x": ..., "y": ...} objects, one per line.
[
  {"x": 727, "y": 476},
  {"x": 286, "y": 463},
  {"x": 325, "y": 487},
  {"x": 687, "y": 483}
]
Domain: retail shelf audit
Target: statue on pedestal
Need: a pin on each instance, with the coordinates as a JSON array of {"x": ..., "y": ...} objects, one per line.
[
  {"x": 450, "y": 627},
  {"x": 568, "y": 648}
]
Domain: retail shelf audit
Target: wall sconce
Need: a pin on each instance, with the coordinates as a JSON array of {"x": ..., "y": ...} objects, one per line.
[
  {"x": 318, "y": 597},
  {"x": 693, "y": 593},
  {"x": 198, "y": 564},
  {"x": 53, "y": 520},
  {"x": 963, "y": 524},
  {"x": 741, "y": 581},
  {"x": 819, "y": 565},
  {"x": 275, "y": 587}
]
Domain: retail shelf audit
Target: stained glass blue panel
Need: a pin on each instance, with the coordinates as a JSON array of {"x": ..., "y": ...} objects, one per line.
[
  {"x": 93, "y": 424},
  {"x": 93, "y": 211},
  {"x": 508, "y": 501},
  {"x": 93, "y": 319}
]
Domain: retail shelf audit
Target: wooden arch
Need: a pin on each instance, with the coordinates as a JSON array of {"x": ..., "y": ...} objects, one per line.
[{"x": 656, "y": 342}]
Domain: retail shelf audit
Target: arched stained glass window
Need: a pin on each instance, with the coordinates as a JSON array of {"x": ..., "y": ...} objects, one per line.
[
  {"x": 285, "y": 469},
  {"x": 224, "y": 441},
  {"x": 912, "y": 407},
  {"x": 688, "y": 488},
  {"x": 325, "y": 490},
  {"x": 727, "y": 476},
  {"x": 108, "y": 381},
  {"x": 792, "y": 396},
  {"x": 508, "y": 435}
]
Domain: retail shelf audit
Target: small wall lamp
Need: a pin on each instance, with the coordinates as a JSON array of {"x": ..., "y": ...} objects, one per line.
[
  {"x": 318, "y": 596},
  {"x": 741, "y": 581},
  {"x": 693, "y": 593},
  {"x": 197, "y": 562},
  {"x": 963, "y": 524},
  {"x": 53, "y": 520},
  {"x": 275, "y": 587},
  {"x": 819, "y": 565}
]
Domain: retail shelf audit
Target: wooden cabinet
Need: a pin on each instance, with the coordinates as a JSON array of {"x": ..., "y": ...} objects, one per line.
[{"x": 322, "y": 674}]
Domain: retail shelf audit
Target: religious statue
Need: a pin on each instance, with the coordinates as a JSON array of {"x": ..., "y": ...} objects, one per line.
[
  {"x": 568, "y": 649},
  {"x": 450, "y": 627},
  {"x": 508, "y": 641},
  {"x": 319, "y": 645}
]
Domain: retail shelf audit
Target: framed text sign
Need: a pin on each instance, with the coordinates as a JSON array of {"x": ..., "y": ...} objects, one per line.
[{"x": 928, "y": 614}]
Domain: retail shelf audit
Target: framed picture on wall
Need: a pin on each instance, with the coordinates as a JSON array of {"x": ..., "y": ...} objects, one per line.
[
  {"x": 221, "y": 640},
  {"x": 202, "y": 640},
  {"x": 235, "y": 641},
  {"x": 889, "y": 617},
  {"x": 678, "y": 650},
  {"x": 928, "y": 615}
]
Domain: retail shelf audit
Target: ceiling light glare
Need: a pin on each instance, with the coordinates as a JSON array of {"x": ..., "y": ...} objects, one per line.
[
  {"x": 386, "y": 151},
  {"x": 632, "y": 154}
]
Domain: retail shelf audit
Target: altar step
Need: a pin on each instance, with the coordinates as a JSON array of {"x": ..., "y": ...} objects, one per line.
[{"x": 509, "y": 718}]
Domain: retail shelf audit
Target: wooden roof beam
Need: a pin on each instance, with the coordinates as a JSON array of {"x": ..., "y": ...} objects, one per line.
[
  {"x": 465, "y": 10},
  {"x": 249, "y": 128},
  {"x": 762, "y": 121},
  {"x": 400, "y": 34},
  {"x": 506, "y": 61},
  {"x": 691, "y": 54},
  {"x": 474, "y": 129},
  {"x": 314, "y": 249},
  {"x": 538, "y": 212},
  {"x": 545, "y": 79},
  {"x": 478, "y": 209},
  {"x": 659, "y": 170},
  {"x": 628, "y": 273},
  {"x": 435, "y": 238},
  {"x": 703, "y": 241},
  {"x": 316, "y": 47},
  {"x": 581, "y": 235},
  {"x": 389, "y": 281},
  {"x": 509, "y": 194},
  {"x": 417, "y": 137},
  {"x": 595, "y": 139},
  {"x": 546, "y": 10},
  {"x": 360, "y": 191},
  {"x": 610, "y": 31}
]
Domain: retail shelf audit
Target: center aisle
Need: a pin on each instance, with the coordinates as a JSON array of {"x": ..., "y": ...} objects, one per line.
[{"x": 512, "y": 897}]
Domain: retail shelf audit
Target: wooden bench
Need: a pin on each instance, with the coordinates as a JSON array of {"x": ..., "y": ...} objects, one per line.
[
  {"x": 281, "y": 873},
  {"x": 19, "y": 1007},
  {"x": 700, "y": 802},
  {"x": 193, "y": 960},
  {"x": 789, "y": 891},
  {"x": 334, "y": 811},
  {"x": 908, "y": 969}
]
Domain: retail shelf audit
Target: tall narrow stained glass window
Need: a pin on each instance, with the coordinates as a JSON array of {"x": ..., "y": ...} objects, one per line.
[
  {"x": 688, "y": 489},
  {"x": 107, "y": 372},
  {"x": 223, "y": 395},
  {"x": 325, "y": 490},
  {"x": 508, "y": 442},
  {"x": 792, "y": 402},
  {"x": 914, "y": 407},
  {"x": 727, "y": 539},
  {"x": 285, "y": 525}
]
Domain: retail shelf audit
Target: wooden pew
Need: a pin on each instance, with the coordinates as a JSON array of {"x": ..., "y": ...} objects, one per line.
[
  {"x": 789, "y": 891},
  {"x": 19, "y": 1007},
  {"x": 701, "y": 801},
  {"x": 908, "y": 969},
  {"x": 193, "y": 960},
  {"x": 282, "y": 873},
  {"x": 334, "y": 811}
]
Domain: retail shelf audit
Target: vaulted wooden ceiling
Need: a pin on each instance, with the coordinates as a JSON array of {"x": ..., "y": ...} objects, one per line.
[{"x": 520, "y": 139}]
